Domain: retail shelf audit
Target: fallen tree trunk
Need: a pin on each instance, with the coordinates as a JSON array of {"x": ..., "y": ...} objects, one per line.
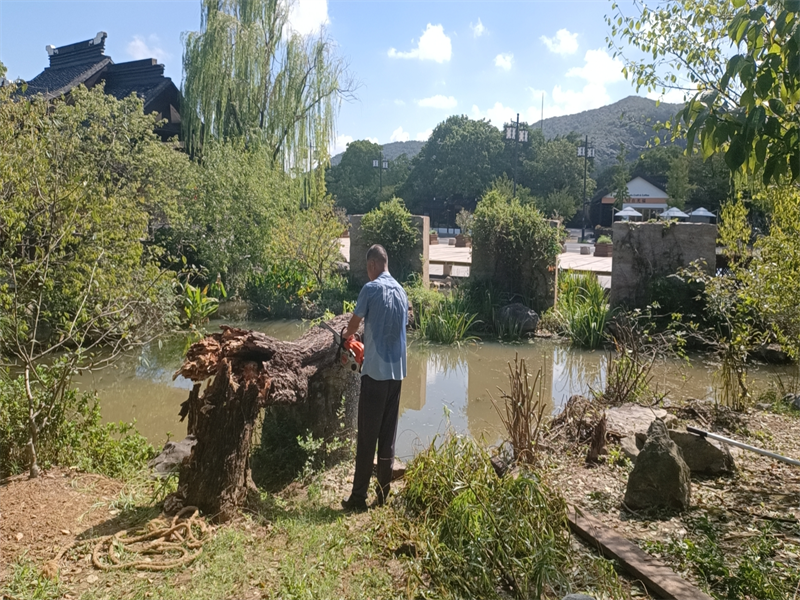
[{"x": 250, "y": 371}]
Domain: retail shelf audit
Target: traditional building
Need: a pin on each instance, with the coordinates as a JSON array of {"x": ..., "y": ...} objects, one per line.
[{"x": 86, "y": 63}]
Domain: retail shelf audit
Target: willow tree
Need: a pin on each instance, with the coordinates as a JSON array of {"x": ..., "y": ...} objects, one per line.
[{"x": 249, "y": 76}]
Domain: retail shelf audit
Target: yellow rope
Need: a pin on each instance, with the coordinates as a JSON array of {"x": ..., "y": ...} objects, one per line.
[{"x": 162, "y": 539}]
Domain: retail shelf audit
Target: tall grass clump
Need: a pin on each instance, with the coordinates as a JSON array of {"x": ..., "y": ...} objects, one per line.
[
  {"x": 482, "y": 536},
  {"x": 440, "y": 318},
  {"x": 582, "y": 311}
]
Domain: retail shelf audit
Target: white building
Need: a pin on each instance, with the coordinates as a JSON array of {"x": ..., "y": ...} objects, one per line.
[{"x": 646, "y": 196}]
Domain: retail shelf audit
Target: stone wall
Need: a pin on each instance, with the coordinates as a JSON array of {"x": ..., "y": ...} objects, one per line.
[
  {"x": 358, "y": 251},
  {"x": 644, "y": 251}
]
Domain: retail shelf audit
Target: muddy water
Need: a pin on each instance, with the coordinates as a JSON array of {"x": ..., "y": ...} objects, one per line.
[{"x": 446, "y": 387}]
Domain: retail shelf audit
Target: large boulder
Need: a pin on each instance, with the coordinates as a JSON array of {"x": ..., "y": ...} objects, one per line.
[
  {"x": 172, "y": 456},
  {"x": 660, "y": 478},
  {"x": 519, "y": 317},
  {"x": 631, "y": 419},
  {"x": 702, "y": 455}
]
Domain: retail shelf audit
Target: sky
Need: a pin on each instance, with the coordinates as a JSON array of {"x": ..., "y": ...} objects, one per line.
[{"x": 415, "y": 62}]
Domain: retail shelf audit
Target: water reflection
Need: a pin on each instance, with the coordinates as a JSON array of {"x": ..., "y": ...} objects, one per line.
[{"x": 446, "y": 387}]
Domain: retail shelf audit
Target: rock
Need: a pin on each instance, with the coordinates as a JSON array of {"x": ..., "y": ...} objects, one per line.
[
  {"x": 578, "y": 597},
  {"x": 628, "y": 447},
  {"x": 499, "y": 465},
  {"x": 631, "y": 419},
  {"x": 660, "y": 478},
  {"x": 398, "y": 468},
  {"x": 702, "y": 455},
  {"x": 792, "y": 400},
  {"x": 772, "y": 354},
  {"x": 518, "y": 316},
  {"x": 172, "y": 456},
  {"x": 341, "y": 267}
]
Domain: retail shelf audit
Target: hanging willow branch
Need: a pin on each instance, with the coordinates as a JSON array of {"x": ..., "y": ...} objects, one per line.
[{"x": 249, "y": 76}]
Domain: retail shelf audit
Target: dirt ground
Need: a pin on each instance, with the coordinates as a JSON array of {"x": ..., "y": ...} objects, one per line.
[
  {"x": 763, "y": 494},
  {"x": 39, "y": 516}
]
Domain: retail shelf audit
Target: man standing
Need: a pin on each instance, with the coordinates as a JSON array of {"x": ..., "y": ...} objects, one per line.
[{"x": 383, "y": 306}]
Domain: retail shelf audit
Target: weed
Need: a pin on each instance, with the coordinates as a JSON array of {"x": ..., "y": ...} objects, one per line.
[
  {"x": 447, "y": 321},
  {"x": 27, "y": 581}
]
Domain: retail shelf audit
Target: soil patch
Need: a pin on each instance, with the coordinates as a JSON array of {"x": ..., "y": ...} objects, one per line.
[{"x": 40, "y": 516}]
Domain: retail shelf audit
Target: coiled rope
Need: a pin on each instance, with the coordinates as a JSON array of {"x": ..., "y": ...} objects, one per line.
[{"x": 162, "y": 541}]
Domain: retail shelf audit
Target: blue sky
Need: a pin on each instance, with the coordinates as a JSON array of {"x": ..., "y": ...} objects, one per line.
[{"x": 416, "y": 62}]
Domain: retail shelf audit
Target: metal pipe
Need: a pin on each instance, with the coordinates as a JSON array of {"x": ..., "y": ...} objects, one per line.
[{"x": 743, "y": 446}]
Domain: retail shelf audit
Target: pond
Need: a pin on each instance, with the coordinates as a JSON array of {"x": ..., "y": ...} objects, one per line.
[{"x": 446, "y": 386}]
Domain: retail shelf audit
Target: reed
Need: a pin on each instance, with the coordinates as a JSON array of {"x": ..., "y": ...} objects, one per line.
[{"x": 582, "y": 312}]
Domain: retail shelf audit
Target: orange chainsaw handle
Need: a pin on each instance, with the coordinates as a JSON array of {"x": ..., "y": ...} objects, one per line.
[{"x": 356, "y": 346}]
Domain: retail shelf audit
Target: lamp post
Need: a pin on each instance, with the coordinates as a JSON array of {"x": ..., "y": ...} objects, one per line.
[
  {"x": 586, "y": 153},
  {"x": 513, "y": 132},
  {"x": 381, "y": 165}
]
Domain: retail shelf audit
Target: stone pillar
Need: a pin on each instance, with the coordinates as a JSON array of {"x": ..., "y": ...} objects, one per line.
[
  {"x": 645, "y": 251},
  {"x": 419, "y": 255}
]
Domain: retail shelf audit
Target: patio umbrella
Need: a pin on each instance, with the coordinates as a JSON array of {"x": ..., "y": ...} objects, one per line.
[
  {"x": 628, "y": 212},
  {"x": 702, "y": 212},
  {"x": 673, "y": 213}
]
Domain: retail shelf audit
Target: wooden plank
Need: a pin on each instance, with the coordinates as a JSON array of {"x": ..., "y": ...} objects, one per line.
[{"x": 661, "y": 581}]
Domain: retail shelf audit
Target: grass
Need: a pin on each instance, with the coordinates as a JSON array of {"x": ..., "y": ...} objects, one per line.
[
  {"x": 582, "y": 311},
  {"x": 441, "y": 318},
  {"x": 754, "y": 570}
]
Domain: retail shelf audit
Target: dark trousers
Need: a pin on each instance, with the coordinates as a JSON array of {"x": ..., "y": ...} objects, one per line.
[{"x": 378, "y": 408}]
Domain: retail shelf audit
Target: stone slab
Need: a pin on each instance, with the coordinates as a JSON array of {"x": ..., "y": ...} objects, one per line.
[{"x": 630, "y": 419}]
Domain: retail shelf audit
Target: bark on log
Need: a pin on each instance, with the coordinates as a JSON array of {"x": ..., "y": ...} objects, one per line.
[{"x": 250, "y": 371}]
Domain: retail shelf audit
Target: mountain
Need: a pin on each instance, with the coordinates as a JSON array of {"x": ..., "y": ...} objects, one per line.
[
  {"x": 391, "y": 151},
  {"x": 629, "y": 121}
]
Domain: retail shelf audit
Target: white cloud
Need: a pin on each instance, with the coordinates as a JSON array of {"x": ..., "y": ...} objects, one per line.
[
  {"x": 478, "y": 29},
  {"x": 399, "y": 102},
  {"x": 563, "y": 42},
  {"x": 504, "y": 61},
  {"x": 374, "y": 140},
  {"x": 599, "y": 68},
  {"x": 308, "y": 16},
  {"x": 340, "y": 144},
  {"x": 398, "y": 135},
  {"x": 438, "y": 101},
  {"x": 139, "y": 48},
  {"x": 433, "y": 45},
  {"x": 423, "y": 136},
  {"x": 499, "y": 114}
]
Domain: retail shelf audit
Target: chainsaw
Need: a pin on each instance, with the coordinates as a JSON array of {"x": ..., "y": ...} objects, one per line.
[{"x": 351, "y": 350}]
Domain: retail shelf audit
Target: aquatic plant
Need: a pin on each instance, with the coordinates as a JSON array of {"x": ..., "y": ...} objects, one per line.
[
  {"x": 582, "y": 310},
  {"x": 446, "y": 321}
]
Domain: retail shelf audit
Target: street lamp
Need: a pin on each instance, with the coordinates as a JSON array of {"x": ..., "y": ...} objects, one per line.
[
  {"x": 513, "y": 132},
  {"x": 586, "y": 153},
  {"x": 382, "y": 165}
]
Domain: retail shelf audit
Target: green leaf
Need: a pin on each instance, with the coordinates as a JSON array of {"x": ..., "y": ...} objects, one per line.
[
  {"x": 736, "y": 154},
  {"x": 777, "y": 106}
]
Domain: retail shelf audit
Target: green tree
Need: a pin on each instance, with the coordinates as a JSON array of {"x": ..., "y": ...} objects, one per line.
[
  {"x": 76, "y": 181},
  {"x": 656, "y": 162},
  {"x": 3, "y": 70},
  {"x": 455, "y": 165},
  {"x": 745, "y": 102},
  {"x": 557, "y": 167},
  {"x": 249, "y": 77},
  {"x": 356, "y": 184},
  {"x": 559, "y": 204},
  {"x": 391, "y": 226},
  {"x": 621, "y": 178},
  {"x": 678, "y": 187}
]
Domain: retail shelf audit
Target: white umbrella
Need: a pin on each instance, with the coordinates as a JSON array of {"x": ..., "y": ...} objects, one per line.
[
  {"x": 673, "y": 213},
  {"x": 628, "y": 212},
  {"x": 701, "y": 212}
]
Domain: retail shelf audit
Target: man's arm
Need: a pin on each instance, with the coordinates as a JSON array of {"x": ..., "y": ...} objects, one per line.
[{"x": 352, "y": 326}]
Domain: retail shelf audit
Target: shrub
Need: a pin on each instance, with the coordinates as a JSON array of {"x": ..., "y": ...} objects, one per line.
[
  {"x": 464, "y": 221},
  {"x": 582, "y": 310},
  {"x": 74, "y": 435},
  {"x": 391, "y": 226},
  {"x": 521, "y": 246},
  {"x": 481, "y": 536},
  {"x": 604, "y": 239}
]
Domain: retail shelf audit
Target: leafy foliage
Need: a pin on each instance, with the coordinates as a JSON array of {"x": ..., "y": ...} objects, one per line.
[
  {"x": 391, "y": 226},
  {"x": 582, "y": 310},
  {"x": 250, "y": 77},
  {"x": 523, "y": 244}
]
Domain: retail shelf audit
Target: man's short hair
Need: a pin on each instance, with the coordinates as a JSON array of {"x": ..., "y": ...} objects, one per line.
[{"x": 378, "y": 254}]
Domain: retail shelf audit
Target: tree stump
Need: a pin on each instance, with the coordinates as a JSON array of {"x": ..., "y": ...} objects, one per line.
[{"x": 250, "y": 371}]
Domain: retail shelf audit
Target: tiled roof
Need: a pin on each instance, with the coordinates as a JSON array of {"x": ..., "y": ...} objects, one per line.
[{"x": 53, "y": 82}]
